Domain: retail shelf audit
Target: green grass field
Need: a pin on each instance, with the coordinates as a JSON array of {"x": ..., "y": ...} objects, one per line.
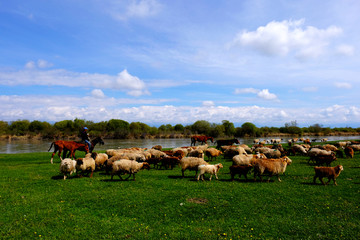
[{"x": 36, "y": 203}]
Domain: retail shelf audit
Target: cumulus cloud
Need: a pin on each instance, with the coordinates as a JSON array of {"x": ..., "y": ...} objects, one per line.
[
  {"x": 58, "y": 108},
  {"x": 124, "y": 81},
  {"x": 343, "y": 85},
  {"x": 264, "y": 93},
  {"x": 97, "y": 93},
  {"x": 283, "y": 38}
]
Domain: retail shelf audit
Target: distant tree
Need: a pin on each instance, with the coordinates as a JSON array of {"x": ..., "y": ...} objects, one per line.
[
  {"x": 4, "y": 127},
  {"x": 19, "y": 127},
  {"x": 39, "y": 127},
  {"x": 201, "y": 127},
  {"x": 179, "y": 128},
  {"x": 316, "y": 128},
  {"x": 229, "y": 128},
  {"x": 217, "y": 130},
  {"x": 249, "y": 129},
  {"x": 119, "y": 128}
]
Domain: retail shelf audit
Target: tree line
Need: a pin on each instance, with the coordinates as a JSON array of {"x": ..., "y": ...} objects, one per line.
[{"x": 120, "y": 129}]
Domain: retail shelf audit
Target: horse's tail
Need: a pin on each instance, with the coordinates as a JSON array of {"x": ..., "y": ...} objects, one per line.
[{"x": 51, "y": 145}]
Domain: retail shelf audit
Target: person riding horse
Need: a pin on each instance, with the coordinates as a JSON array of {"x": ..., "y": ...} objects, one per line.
[{"x": 85, "y": 137}]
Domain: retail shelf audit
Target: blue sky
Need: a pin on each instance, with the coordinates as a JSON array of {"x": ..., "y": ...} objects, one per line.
[{"x": 169, "y": 62}]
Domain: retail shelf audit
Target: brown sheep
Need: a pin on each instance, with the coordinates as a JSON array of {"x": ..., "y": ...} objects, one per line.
[
  {"x": 349, "y": 152},
  {"x": 239, "y": 169},
  {"x": 329, "y": 172},
  {"x": 212, "y": 153}
]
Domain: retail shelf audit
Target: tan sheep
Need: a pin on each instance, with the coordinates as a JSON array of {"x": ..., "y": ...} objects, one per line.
[
  {"x": 212, "y": 153},
  {"x": 191, "y": 163},
  {"x": 125, "y": 166},
  {"x": 86, "y": 164},
  {"x": 271, "y": 166}
]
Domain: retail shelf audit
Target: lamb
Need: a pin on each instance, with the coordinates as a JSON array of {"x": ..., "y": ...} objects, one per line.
[
  {"x": 212, "y": 153},
  {"x": 329, "y": 172},
  {"x": 239, "y": 169},
  {"x": 191, "y": 163},
  {"x": 271, "y": 166},
  {"x": 86, "y": 164},
  {"x": 125, "y": 166},
  {"x": 67, "y": 167},
  {"x": 211, "y": 169}
]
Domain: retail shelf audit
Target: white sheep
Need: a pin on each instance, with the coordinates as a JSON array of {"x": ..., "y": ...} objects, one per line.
[
  {"x": 196, "y": 153},
  {"x": 125, "y": 166},
  {"x": 247, "y": 159},
  {"x": 86, "y": 164},
  {"x": 156, "y": 153},
  {"x": 191, "y": 163},
  {"x": 67, "y": 167},
  {"x": 211, "y": 169}
]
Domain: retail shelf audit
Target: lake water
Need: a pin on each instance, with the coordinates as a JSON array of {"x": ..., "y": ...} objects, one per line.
[{"x": 28, "y": 146}]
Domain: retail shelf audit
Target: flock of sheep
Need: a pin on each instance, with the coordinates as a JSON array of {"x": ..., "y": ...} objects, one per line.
[{"x": 261, "y": 159}]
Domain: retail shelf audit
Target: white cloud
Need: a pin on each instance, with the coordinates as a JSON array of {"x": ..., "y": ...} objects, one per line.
[
  {"x": 343, "y": 85},
  {"x": 143, "y": 8},
  {"x": 208, "y": 103},
  {"x": 246, "y": 90},
  {"x": 123, "y": 10},
  {"x": 97, "y": 93},
  {"x": 124, "y": 81},
  {"x": 265, "y": 94},
  {"x": 39, "y": 64},
  {"x": 56, "y": 108},
  {"x": 345, "y": 50},
  {"x": 283, "y": 38}
]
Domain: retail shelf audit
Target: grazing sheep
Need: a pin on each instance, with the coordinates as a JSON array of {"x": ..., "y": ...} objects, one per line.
[
  {"x": 271, "y": 166},
  {"x": 239, "y": 169},
  {"x": 247, "y": 159},
  {"x": 196, "y": 153},
  {"x": 191, "y": 163},
  {"x": 349, "y": 152},
  {"x": 325, "y": 159},
  {"x": 212, "y": 153},
  {"x": 125, "y": 166},
  {"x": 86, "y": 164},
  {"x": 296, "y": 148},
  {"x": 329, "y": 172},
  {"x": 169, "y": 162},
  {"x": 156, "y": 153},
  {"x": 273, "y": 154},
  {"x": 67, "y": 167},
  {"x": 246, "y": 148},
  {"x": 211, "y": 169},
  {"x": 233, "y": 151},
  {"x": 324, "y": 140},
  {"x": 314, "y": 152},
  {"x": 355, "y": 147},
  {"x": 153, "y": 160},
  {"x": 330, "y": 147},
  {"x": 342, "y": 144}
]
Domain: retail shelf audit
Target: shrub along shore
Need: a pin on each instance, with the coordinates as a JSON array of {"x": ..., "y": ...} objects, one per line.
[{"x": 37, "y": 203}]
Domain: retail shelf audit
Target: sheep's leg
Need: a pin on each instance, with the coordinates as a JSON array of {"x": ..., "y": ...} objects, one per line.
[
  {"x": 330, "y": 180},
  {"x": 134, "y": 176},
  {"x": 210, "y": 177},
  {"x": 314, "y": 181},
  {"x": 65, "y": 176},
  {"x": 182, "y": 171},
  {"x": 278, "y": 178},
  {"x": 198, "y": 177},
  {"x": 91, "y": 175},
  {"x": 216, "y": 176},
  {"x": 321, "y": 179},
  {"x": 128, "y": 176}
]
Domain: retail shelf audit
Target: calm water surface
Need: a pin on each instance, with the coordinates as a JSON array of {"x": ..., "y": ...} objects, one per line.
[{"x": 29, "y": 146}]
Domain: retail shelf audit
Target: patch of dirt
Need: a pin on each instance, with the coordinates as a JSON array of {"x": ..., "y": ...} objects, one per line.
[{"x": 197, "y": 200}]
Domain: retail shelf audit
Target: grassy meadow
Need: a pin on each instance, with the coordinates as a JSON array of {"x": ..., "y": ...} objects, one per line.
[{"x": 36, "y": 203}]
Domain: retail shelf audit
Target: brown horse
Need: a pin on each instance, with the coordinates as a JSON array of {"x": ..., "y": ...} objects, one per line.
[
  {"x": 202, "y": 139},
  {"x": 93, "y": 144},
  {"x": 71, "y": 146}
]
